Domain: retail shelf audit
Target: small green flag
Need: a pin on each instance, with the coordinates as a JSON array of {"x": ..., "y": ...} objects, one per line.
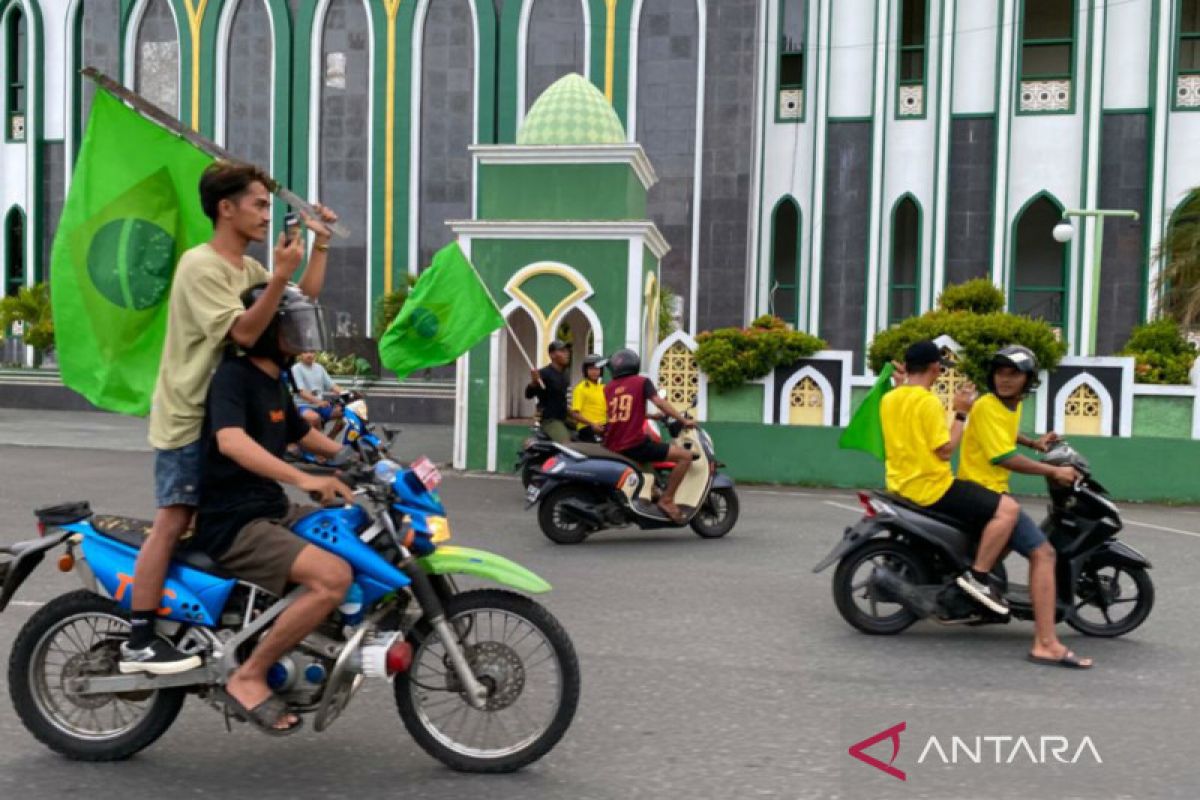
[
  {"x": 132, "y": 210},
  {"x": 447, "y": 313},
  {"x": 865, "y": 431}
]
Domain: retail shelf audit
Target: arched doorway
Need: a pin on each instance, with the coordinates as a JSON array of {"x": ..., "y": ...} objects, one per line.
[{"x": 513, "y": 369}]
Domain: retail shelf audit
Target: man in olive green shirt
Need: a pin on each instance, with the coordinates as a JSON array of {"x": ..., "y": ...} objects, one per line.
[{"x": 205, "y": 312}]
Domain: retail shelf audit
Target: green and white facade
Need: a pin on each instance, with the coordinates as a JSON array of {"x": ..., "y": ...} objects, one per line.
[{"x": 833, "y": 162}]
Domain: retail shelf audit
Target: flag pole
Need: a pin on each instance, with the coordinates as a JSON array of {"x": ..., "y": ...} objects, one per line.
[
  {"x": 153, "y": 112},
  {"x": 507, "y": 324}
]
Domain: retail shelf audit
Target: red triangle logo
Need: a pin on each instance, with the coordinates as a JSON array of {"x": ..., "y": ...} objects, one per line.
[{"x": 858, "y": 749}]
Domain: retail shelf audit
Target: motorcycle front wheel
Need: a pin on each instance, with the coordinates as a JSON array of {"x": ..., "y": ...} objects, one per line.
[
  {"x": 1110, "y": 599},
  {"x": 718, "y": 515},
  {"x": 525, "y": 660}
]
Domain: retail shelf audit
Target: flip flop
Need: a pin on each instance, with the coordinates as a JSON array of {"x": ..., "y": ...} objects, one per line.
[
  {"x": 674, "y": 513},
  {"x": 263, "y": 716},
  {"x": 1069, "y": 661}
]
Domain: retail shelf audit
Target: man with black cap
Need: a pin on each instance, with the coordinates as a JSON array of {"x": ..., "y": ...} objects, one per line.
[
  {"x": 549, "y": 385},
  {"x": 919, "y": 448}
]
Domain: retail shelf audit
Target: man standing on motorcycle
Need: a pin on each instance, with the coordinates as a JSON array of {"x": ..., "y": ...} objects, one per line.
[
  {"x": 549, "y": 385},
  {"x": 627, "y": 395},
  {"x": 205, "y": 314},
  {"x": 919, "y": 448},
  {"x": 989, "y": 456},
  {"x": 311, "y": 381},
  {"x": 588, "y": 401},
  {"x": 244, "y": 517}
]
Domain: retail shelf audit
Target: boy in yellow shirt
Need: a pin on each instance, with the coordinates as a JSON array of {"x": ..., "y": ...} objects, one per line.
[
  {"x": 587, "y": 401},
  {"x": 989, "y": 457},
  {"x": 919, "y": 448}
]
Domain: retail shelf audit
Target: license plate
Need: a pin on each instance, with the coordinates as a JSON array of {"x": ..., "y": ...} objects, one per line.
[
  {"x": 531, "y": 494},
  {"x": 427, "y": 473}
]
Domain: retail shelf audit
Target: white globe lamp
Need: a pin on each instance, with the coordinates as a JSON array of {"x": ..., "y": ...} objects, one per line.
[{"x": 1064, "y": 232}]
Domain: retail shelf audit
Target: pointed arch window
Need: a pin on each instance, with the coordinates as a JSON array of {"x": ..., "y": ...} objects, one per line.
[
  {"x": 783, "y": 300},
  {"x": 793, "y": 30},
  {"x": 1039, "y": 268},
  {"x": 906, "y": 260},
  {"x": 16, "y": 72}
]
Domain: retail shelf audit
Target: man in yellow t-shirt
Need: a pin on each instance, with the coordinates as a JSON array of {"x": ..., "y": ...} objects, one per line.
[
  {"x": 919, "y": 448},
  {"x": 205, "y": 313},
  {"x": 989, "y": 457},
  {"x": 587, "y": 401}
]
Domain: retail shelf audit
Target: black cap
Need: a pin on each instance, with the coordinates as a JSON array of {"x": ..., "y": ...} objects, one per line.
[
  {"x": 923, "y": 353},
  {"x": 558, "y": 344}
]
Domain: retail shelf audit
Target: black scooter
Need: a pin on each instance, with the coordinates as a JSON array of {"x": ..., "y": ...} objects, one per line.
[
  {"x": 898, "y": 564},
  {"x": 585, "y": 488}
]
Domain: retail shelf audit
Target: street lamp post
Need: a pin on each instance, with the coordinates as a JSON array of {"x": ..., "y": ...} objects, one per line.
[{"x": 1065, "y": 232}]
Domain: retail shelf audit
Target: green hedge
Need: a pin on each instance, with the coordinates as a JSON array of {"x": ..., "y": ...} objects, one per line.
[
  {"x": 731, "y": 357},
  {"x": 1162, "y": 352}
]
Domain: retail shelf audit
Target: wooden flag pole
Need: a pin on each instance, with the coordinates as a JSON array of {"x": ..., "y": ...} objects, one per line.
[
  {"x": 148, "y": 109},
  {"x": 507, "y": 324}
]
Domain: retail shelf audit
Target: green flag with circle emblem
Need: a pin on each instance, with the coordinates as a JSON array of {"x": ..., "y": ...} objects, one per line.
[
  {"x": 133, "y": 208},
  {"x": 446, "y": 314}
]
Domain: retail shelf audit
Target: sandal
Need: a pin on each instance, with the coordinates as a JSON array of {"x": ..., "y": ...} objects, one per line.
[
  {"x": 672, "y": 512},
  {"x": 1069, "y": 660},
  {"x": 264, "y": 716}
]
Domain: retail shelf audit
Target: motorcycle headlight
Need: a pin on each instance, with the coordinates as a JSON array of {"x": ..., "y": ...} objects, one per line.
[{"x": 439, "y": 527}]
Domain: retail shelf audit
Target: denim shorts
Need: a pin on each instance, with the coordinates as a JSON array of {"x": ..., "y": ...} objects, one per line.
[
  {"x": 324, "y": 412},
  {"x": 1027, "y": 536},
  {"x": 177, "y": 476}
]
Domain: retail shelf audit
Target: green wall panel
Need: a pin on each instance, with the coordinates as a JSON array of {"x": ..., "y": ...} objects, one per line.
[
  {"x": 743, "y": 404},
  {"x": 1169, "y": 417},
  {"x": 560, "y": 192}
]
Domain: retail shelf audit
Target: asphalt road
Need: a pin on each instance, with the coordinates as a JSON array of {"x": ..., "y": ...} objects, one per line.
[{"x": 711, "y": 669}]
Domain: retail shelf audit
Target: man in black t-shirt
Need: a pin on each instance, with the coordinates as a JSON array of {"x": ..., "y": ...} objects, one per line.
[
  {"x": 244, "y": 516},
  {"x": 549, "y": 385}
]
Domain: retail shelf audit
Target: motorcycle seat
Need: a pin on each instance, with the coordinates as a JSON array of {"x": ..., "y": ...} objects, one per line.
[
  {"x": 133, "y": 532},
  {"x": 600, "y": 451},
  {"x": 908, "y": 505}
]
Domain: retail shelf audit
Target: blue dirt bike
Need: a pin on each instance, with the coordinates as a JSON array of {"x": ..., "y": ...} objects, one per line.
[
  {"x": 485, "y": 680},
  {"x": 357, "y": 432}
]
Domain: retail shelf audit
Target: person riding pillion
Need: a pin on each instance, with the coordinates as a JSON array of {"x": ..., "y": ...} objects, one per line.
[
  {"x": 627, "y": 394},
  {"x": 588, "y": 401},
  {"x": 549, "y": 385},
  {"x": 989, "y": 457},
  {"x": 918, "y": 449}
]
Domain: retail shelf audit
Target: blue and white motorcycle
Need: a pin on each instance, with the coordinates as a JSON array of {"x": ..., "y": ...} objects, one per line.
[{"x": 485, "y": 680}]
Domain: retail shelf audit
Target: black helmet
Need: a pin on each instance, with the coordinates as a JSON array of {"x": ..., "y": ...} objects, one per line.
[
  {"x": 1019, "y": 358},
  {"x": 593, "y": 361},
  {"x": 298, "y": 326},
  {"x": 624, "y": 363}
]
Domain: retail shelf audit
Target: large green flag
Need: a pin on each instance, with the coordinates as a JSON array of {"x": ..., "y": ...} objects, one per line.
[
  {"x": 865, "y": 431},
  {"x": 132, "y": 210},
  {"x": 447, "y": 313}
]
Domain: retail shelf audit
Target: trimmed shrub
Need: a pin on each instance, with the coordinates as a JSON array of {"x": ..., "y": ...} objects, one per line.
[
  {"x": 1163, "y": 353},
  {"x": 979, "y": 336},
  {"x": 731, "y": 357},
  {"x": 979, "y": 296}
]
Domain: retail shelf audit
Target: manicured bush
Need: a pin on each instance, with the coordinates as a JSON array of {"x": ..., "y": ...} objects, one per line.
[
  {"x": 731, "y": 357},
  {"x": 979, "y": 296},
  {"x": 31, "y": 307},
  {"x": 1163, "y": 353},
  {"x": 978, "y": 335}
]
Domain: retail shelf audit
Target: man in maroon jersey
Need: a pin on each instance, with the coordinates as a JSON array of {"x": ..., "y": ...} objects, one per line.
[{"x": 627, "y": 395}]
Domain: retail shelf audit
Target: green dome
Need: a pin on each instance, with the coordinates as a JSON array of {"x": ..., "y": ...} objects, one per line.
[{"x": 571, "y": 112}]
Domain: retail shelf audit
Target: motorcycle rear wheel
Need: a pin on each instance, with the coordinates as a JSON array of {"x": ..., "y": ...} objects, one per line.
[
  {"x": 849, "y": 579},
  {"x": 556, "y": 523},
  {"x": 84, "y": 632}
]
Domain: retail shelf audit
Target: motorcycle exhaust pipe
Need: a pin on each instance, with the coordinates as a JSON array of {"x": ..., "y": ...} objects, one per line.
[
  {"x": 582, "y": 513},
  {"x": 890, "y": 586}
]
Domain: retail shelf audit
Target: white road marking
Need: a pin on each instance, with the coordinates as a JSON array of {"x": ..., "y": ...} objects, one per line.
[
  {"x": 856, "y": 509},
  {"x": 27, "y": 603},
  {"x": 777, "y": 493},
  {"x": 1162, "y": 528}
]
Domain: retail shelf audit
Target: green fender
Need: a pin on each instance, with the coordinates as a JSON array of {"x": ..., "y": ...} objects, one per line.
[{"x": 468, "y": 561}]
